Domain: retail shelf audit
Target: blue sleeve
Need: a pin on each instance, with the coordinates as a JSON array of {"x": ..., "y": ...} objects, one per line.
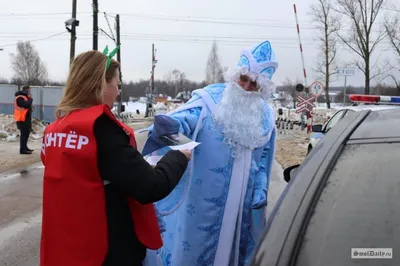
[
  {"x": 261, "y": 182},
  {"x": 188, "y": 120},
  {"x": 183, "y": 122}
]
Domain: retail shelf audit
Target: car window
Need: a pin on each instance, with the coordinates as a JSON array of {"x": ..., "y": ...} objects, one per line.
[
  {"x": 336, "y": 118},
  {"x": 358, "y": 208},
  {"x": 348, "y": 112}
]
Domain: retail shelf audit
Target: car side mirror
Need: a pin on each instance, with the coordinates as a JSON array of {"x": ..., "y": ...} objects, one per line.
[
  {"x": 317, "y": 128},
  {"x": 289, "y": 172}
]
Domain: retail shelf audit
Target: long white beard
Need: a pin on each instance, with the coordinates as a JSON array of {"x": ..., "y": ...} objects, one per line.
[{"x": 240, "y": 115}]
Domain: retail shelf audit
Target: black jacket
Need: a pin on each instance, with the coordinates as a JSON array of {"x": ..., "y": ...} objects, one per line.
[
  {"x": 130, "y": 176},
  {"x": 25, "y": 104}
]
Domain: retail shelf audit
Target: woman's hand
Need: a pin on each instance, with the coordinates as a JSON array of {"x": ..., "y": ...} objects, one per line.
[{"x": 187, "y": 153}]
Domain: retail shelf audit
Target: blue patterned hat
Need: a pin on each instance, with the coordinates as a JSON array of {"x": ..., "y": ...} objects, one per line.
[
  {"x": 259, "y": 64},
  {"x": 259, "y": 61}
]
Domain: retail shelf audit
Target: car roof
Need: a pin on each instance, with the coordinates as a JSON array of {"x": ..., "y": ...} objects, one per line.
[
  {"x": 293, "y": 211},
  {"x": 372, "y": 107}
]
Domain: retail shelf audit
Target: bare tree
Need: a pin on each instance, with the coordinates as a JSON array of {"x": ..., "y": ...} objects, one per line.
[
  {"x": 214, "y": 73},
  {"x": 328, "y": 23},
  {"x": 393, "y": 31},
  {"x": 363, "y": 14},
  {"x": 27, "y": 65},
  {"x": 179, "y": 78},
  {"x": 289, "y": 87},
  {"x": 3, "y": 81},
  {"x": 168, "y": 77}
]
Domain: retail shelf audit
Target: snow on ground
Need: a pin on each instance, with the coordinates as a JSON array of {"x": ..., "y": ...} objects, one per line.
[
  {"x": 131, "y": 108},
  {"x": 9, "y": 143},
  {"x": 321, "y": 115},
  {"x": 10, "y": 132}
]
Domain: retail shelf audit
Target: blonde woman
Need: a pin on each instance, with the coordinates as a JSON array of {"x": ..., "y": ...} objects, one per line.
[{"x": 98, "y": 190}]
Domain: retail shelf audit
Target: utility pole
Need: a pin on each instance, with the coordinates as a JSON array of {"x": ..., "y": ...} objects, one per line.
[
  {"x": 95, "y": 24},
  {"x": 153, "y": 65},
  {"x": 118, "y": 31},
  {"x": 73, "y": 32},
  {"x": 151, "y": 87}
]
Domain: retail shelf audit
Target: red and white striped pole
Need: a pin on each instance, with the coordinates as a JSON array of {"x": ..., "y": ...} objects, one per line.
[
  {"x": 309, "y": 117},
  {"x": 301, "y": 46}
]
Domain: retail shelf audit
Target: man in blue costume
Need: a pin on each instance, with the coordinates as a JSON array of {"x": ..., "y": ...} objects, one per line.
[{"x": 216, "y": 214}]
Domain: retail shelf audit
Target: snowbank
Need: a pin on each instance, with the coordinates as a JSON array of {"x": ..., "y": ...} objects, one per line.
[
  {"x": 160, "y": 106},
  {"x": 133, "y": 106},
  {"x": 10, "y": 132},
  {"x": 131, "y": 109}
]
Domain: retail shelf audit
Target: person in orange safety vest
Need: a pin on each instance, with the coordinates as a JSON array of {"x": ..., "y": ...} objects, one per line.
[
  {"x": 23, "y": 117},
  {"x": 98, "y": 190}
]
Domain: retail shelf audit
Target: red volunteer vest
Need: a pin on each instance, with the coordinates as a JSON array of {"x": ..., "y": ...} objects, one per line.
[{"x": 74, "y": 222}]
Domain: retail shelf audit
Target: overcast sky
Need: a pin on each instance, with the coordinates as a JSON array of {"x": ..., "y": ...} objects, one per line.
[{"x": 181, "y": 44}]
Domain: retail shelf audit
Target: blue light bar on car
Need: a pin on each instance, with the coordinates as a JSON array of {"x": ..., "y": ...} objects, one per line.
[{"x": 361, "y": 98}]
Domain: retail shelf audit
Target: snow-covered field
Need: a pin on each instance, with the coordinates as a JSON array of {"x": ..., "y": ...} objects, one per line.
[
  {"x": 133, "y": 106},
  {"x": 132, "y": 109}
]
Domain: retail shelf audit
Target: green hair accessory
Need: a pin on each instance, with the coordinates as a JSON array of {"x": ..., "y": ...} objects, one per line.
[{"x": 110, "y": 55}]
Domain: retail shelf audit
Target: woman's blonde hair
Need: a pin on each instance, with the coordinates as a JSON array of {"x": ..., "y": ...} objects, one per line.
[{"x": 86, "y": 82}]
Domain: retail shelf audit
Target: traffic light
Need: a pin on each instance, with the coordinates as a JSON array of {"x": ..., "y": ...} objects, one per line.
[{"x": 299, "y": 87}]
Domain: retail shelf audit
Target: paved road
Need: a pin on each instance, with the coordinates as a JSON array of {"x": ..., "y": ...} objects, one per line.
[{"x": 20, "y": 212}]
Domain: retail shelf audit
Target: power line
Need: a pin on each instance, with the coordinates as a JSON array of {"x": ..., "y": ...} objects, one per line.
[
  {"x": 239, "y": 23},
  {"x": 144, "y": 15},
  {"x": 281, "y": 42},
  {"x": 36, "y": 40},
  {"x": 227, "y": 21},
  {"x": 39, "y": 14},
  {"x": 267, "y": 23},
  {"x": 178, "y": 37}
]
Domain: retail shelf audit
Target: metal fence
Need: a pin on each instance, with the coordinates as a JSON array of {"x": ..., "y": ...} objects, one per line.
[
  {"x": 45, "y": 100},
  {"x": 284, "y": 125}
]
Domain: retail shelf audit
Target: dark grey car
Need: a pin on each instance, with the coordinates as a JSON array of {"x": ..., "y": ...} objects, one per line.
[{"x": 346, "y": 194}]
